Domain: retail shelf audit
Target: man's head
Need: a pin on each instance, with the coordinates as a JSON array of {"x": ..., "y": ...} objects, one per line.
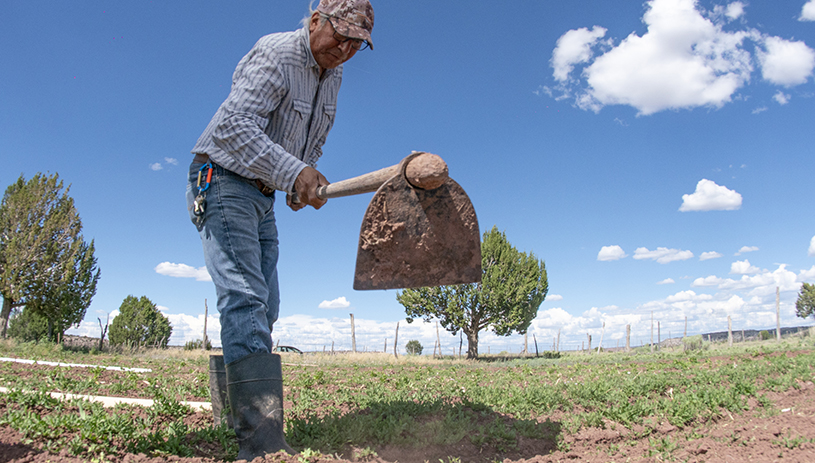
[{"x": 338, "y": 28}]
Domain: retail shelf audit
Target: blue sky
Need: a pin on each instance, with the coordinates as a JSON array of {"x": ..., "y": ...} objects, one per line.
[{"x": 654, "y": 154}]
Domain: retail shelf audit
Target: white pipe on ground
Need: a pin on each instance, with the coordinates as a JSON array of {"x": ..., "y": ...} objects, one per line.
[
  {"x": 113, "y": 401},
  {"x": 73, "y": 365}
]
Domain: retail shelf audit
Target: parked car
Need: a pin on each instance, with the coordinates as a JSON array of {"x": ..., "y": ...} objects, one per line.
[{"x": 287, "y": 349}]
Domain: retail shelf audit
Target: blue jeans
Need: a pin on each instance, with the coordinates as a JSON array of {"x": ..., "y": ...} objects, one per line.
[{"x": 239, "y": 236}]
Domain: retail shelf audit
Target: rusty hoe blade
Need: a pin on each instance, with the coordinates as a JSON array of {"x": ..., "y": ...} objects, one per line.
[{"x": 412, "y": 237}]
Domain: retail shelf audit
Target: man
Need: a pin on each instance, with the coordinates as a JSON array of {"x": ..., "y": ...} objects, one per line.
[{"x": 266, "y": 136}]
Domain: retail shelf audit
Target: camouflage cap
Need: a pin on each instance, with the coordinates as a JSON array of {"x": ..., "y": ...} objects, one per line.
[{"x": 354, "y": 18}]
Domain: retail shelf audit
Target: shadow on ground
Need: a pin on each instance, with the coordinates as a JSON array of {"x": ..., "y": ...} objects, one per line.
[{"x": 420, "y": 431}]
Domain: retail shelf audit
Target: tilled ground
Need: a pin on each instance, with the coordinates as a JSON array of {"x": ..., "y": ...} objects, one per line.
[{"x": 784, "y": 431}]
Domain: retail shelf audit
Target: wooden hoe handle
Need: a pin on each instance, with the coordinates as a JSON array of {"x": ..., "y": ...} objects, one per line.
[{"x": 423, "y": 170}]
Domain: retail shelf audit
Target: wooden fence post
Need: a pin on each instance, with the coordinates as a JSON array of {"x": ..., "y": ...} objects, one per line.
[
  {"x": 603, "y": 333},
  {"x": 777, "y": 315},
  {"x": 526, "y": 337},
  {"x": 729, "y": 332},
  {"x": 206, "y": 310},
  {"x": 438, "y": 339},
  {"x": 395, "y": 341},
  {"x": 628, "y": 338},
  {"x": 353, "y": 335}
]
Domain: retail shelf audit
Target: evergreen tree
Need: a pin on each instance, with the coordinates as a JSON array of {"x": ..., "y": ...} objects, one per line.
[
  {"x": 45, "y": 264},
  {"x": 414, "y": 347},
  {"x": 513, "y": 285},
  {"x": 28, "y": 326},
  {"x": 139, "y": 323},
  {"x": 805, "y": 305}
]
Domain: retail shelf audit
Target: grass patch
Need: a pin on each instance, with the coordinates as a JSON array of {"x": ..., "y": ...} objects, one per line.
[{"x": 366, "y": 401}]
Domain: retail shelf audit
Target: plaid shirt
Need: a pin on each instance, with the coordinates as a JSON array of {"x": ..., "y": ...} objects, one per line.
[{"x": 277, "y": 115}]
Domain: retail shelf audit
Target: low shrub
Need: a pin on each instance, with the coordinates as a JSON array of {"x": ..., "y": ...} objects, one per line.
[{"x": 197, "y": 344}]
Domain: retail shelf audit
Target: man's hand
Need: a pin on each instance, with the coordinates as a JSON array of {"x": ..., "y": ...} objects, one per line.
[{"x": 306, "y": 186}]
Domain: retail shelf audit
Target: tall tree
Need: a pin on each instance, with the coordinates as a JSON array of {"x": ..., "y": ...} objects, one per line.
[
  {"x": 45, "y": 264},
  {"x": 139, "y": 323},
  {"x": 513, "y": 286},
  {"x": 805, "y": 305}
]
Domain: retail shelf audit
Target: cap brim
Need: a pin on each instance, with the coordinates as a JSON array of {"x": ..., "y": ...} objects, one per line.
[{"x": 351, "y": 30}]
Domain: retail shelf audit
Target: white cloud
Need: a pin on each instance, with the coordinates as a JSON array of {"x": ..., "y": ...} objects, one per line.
[
  {"x": 338, "y": 303},
  {"x": 686, "y": 296},
  {"x": 609, "y": 253},
  {"x": 745, "y": 249},
  {"x": 182, "y": 271},
  {"x": 667, "y": 281},
  {"x": 711, "y": 280},
  {"x": 172, "y": 161},
  {"x": 761, "y": 284},
  {"x": 191, "y": 327},
  {"x": 710, "y": 197},
  {"x": 549, "y": 323},
  {"x": 808, "y": 12},
  {"x": 743, "y": 267},
  {"x": 684, "y": 60},
  {"x": 709, "y": 255},
  {"x": 734, "y": 10},
  {"x": 554, "y": 297},
  {"x": 662, "y": 255},
  {"x": 812, "y": 241},
  {"x": 156, "y": 166},
  {"x": 786, "y": 63},
  {"x": 553, "y": 317},
  {"x": 572, "y": 48},
  {"x": 760, "y": 110},
  {"x": 781, "y": 98},
  {"x": 806, "y": 275}
]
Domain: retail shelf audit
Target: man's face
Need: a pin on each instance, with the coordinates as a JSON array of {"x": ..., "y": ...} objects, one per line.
[{"x": 328, "y": 51}]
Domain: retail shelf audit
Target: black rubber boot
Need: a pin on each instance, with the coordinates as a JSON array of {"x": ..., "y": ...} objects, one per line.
[
  {"x": 255, "y": 389},
  {"x": 217, "y": 391}
]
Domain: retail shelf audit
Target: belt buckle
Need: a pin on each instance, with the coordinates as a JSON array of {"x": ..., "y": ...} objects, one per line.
[{"x": 264, "y": 190}]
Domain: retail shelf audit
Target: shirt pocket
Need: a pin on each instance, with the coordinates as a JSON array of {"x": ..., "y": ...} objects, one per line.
[
  {"x": 320, "y": 128},
  {"x": 297, "y": 122},
  {"x": 324, "y": 122}
]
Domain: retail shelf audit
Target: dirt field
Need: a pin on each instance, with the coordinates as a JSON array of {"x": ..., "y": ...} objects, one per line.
[
  {"x": 782, "y": 431},
  {"x": 752, "y": 436}
]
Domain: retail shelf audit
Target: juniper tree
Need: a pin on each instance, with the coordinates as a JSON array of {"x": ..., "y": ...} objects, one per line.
[
  {"x": 45, "y": 264},
  {"x": 805, "y": 305},
  {"x": 139, "y": 323},
  {"x": 513, "y": 285},
  {"x": 414, "y": 347}
]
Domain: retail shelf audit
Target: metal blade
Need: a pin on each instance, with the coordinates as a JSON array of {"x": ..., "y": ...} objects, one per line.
[{"x": 411, "y": 238}]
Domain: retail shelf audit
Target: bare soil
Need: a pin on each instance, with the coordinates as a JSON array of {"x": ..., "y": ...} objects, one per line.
[{"x": 785, "y": 431}]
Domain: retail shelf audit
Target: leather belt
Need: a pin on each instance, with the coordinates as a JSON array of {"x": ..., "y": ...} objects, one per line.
[{"x": 264, "y": 190}]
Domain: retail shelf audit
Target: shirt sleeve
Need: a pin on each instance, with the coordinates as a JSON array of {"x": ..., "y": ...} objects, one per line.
[{"x": 258, "y": 87}]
